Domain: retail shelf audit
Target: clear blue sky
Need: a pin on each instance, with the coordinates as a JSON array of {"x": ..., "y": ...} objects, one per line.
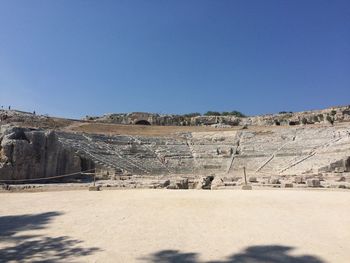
[{"x": 72, "y": 58}]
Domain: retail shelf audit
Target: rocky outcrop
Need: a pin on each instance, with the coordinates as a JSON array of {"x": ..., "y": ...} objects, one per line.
[
  {"x": 330, "y": 115},
  {"x": 27, "y": 119},
  {"x": 27, "y": 153},
  {"x": 144, "y": 118}
]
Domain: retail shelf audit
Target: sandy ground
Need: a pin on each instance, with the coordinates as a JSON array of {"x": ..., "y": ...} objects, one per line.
[{"x": 176, "y": 226}]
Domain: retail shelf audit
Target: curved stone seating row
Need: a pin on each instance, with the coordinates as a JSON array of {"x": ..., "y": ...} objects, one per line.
[{"x": 274, "y": 151}]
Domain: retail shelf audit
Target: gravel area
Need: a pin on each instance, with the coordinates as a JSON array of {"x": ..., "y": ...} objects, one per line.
[{"x": 175, "y": 226}]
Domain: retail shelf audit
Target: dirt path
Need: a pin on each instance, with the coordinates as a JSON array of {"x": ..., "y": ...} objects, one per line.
[{"x": 176, "y": 226}]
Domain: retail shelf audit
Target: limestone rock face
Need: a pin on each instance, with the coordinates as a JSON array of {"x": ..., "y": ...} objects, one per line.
[{"x": 26, "y": 153}]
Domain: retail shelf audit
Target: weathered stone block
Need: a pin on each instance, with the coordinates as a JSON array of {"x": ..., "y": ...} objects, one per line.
[
  {"x": 252, "y": 179},
  {"x": 166, "y": 183},
  {"x": 95, "y": 188},
  {"x": 274, "y": 181},
  {"x": 299, "y": 180},
  {"x": 27, "y": 153},
  {"x": 178, "y": 184},
  {"x": 205, "y": 182},
  {"x": 247, "y": 187},
  {"x": 341, "y": 179},
  {"x": 217, "y": 183},
  {"x": 313, "y": 182}
]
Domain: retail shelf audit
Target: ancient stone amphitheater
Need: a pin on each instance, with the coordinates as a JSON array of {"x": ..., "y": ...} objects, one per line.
[{"x": 299, "y": 153}]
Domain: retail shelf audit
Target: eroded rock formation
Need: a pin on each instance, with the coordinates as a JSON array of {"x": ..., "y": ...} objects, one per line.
[
  {"x": 330, "y": 115},
  {"x": 27, "y": 153}
]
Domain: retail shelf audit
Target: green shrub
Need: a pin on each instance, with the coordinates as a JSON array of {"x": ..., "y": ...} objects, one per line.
[
  {"x": 225, "y": 113},
  {"x": 233, "y": 113},
  {"x": 212, "y": 113}
]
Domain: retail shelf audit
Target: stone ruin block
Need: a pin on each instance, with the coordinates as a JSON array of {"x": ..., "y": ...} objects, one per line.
[
  {"x": 299, "y": 180},
  {"x": 178, "y": 184},
  {"x": 247, "y": 187},
  {"x": 206, "y": 182},
  {"x": 217, "y": 182},
  {"x": 252, "y": 179},
  {"x": 339, "y": 169},
  {"x": 313, "y": 182},
  {"x": 95, "y": 188},
  {"x": 274, "y": 181},
  {"x": 341, "y": 179}
]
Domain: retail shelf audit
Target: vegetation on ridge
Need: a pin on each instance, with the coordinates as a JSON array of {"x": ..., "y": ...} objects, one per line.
[{"x": 225, "y": 113}]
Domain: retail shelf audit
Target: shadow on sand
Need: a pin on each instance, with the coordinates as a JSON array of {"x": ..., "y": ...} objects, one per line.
[
  {"x": 253, "y": 254},
  {"x": 15, "y": 245}
]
